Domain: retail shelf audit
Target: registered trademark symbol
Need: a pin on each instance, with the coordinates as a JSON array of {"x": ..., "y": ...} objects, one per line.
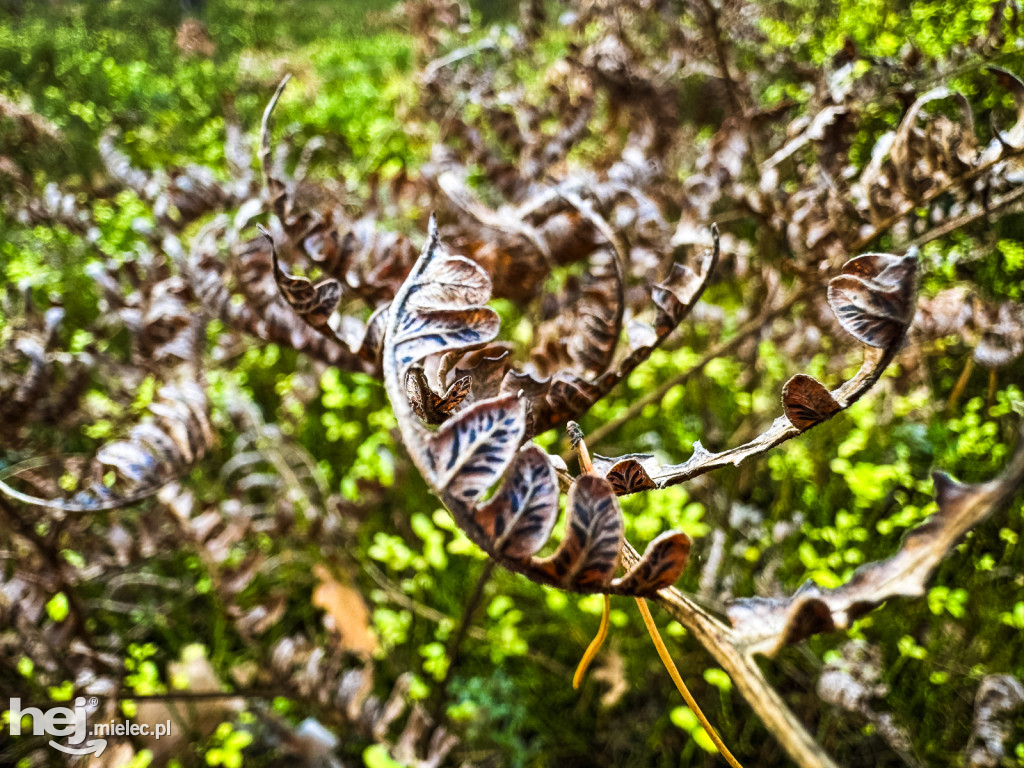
[{"x": 93, "y": 702}]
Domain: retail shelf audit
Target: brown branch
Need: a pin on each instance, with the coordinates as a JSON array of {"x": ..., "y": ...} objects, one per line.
[
  {"x": 887, "y": 223},
  {"x": 747, "y": 329},
  {"x": 967, "y": 219},
  {"x": 778, "y": 718},
  {"x": 715, "y": 32}
]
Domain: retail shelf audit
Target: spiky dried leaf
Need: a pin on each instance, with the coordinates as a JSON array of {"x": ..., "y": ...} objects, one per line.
[{"x": 766, "y": 625}]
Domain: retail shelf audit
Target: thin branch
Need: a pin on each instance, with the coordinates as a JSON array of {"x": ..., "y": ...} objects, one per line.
[
  {"x": 715, "y": 31},
  {"x": 748, "y": 329},
  {"x": 966, "y": 220},
  {"x": 745, "y": 674},
  {"x": 887, "y": 223},
  {"x": 455, "y": 642}
]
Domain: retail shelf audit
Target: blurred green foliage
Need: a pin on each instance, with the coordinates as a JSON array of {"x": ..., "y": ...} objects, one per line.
[{"x": 840, "y": 496}]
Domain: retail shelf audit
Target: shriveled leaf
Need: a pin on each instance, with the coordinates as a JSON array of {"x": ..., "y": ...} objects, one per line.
[
  {"x": 423, "y": 333},
  {"x": 450, "y": 281},
  {"x": 569, "y": 395},
  {"x": 765, "y": 625},
  {"x": 155, "y": 453},
  {"x": 596, "y": 316},
  {"x": 487, "y": 366},
  {"x": 370, "y": 345},
  {"x": 586, "y": 559},
  {"x": 679, "y": 292},
  {"x": 660, "y": 567},
  {"x": 531, "y": 386},
  {"x": 431, "y": 407},
  {"x": 471, "y": 451},
  {"x": 313, "y": 303},
  {"x": 627, "y": 474},
  {"x": 915, "y": 157},
  {"x": 873, "y": 298},
  {"x": 437, "y": 310},
  {"x": 807, "y": 403},
  {"x": 582, "y": 337},
  {"x": 519, "y": 518}
]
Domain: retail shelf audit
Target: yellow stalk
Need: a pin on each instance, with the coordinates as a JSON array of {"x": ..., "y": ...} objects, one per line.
[
  {"x": 680, "y": 685},
  {"x": 595, "y": 645}
]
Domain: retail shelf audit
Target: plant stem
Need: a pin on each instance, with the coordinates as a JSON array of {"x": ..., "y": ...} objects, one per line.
[
  {"x": 673, "y": 672},
  {"x": 746, "y": 675},
  {"x": 595, "y": 645},
  {"x": 750, "y": 327},
  {"x": 455, "y": 643}
]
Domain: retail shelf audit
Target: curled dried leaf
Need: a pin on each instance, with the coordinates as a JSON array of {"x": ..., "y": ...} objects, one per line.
[
  {"x": 874, "y": 301},
  {"x": 586, "y": 559},
  {"x": 873, "y": 298},
  {"x": 372, "y": 342},
  {"x": 437, "y": 312},
  {"x": 627, "y": 474},
  {"x": 569, "y": 395},
  {"x": 313, "y": 303},
  {"x": 519, "y": 519},
  {"x": 766, "y": 625},
  {"x": 600, "y": 314},
  {"x": 807, "y": 403},
  {"x": 662, "y": 564},
  {"x": 676, "y": 296},
  {"x": 486, "y": 367},
  {"x": 431, "y": 407},
  {"x": 125, "y": 471},
  {"x": 470, "y": 453}
]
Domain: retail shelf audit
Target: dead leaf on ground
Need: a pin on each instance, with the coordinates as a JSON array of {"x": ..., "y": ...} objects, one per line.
[{"x": 346, "y": 612}]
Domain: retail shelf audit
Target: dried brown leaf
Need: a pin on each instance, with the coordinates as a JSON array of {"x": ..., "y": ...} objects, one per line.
[
  {"x": 346, "y": 612},
  {"x": 765, "y": 625},
  {"x": 519, "y": 519},
  {"x": 586, "y": 559},
  {"x": 807, "y": 403}
]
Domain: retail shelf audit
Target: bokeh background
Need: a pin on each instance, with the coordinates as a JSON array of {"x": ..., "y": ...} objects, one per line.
[{"x": 297, "y": 558}]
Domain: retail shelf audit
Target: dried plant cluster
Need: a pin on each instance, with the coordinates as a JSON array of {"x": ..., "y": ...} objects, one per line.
[{"x": 582, "y": 201}]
